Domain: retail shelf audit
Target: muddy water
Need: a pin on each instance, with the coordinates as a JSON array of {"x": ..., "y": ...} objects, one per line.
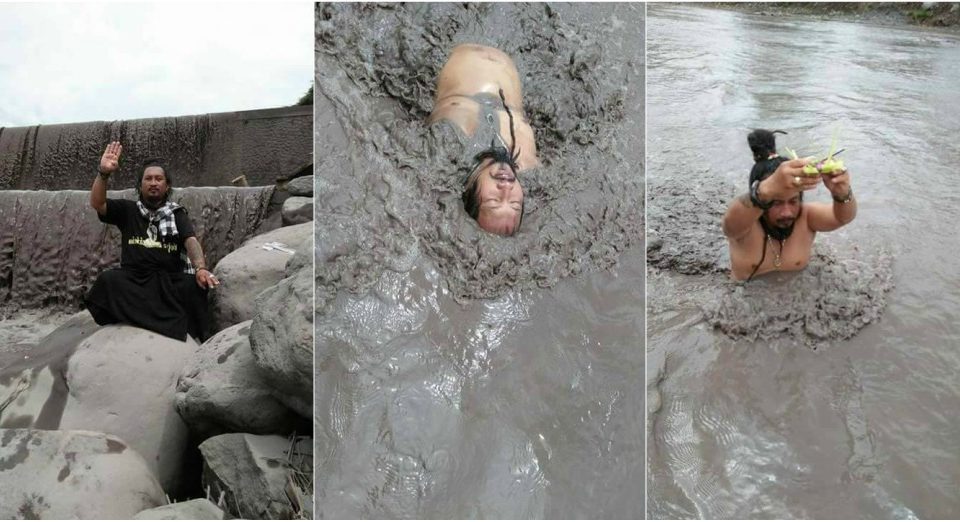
[
  {"x": 746, "y": 418},
  {"x": 462, "y": 374}
]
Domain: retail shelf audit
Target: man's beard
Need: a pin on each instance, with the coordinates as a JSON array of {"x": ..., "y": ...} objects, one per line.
[
  {"x": 153, "y": 203},
  {"x": 777, "y": 232}
]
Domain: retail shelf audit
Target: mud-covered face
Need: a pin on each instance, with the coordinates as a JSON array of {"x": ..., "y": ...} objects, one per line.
[
  {"x": 500, "y": 198},
  {"x": 153, "y": 186},
  {"x": 783, "y": 214}
]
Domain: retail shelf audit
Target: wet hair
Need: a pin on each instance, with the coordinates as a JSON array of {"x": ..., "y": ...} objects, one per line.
[
  {"x": 155, "y": 162},
  {"x": 499, "y": 154},
  {"x": 763, "y": 144}
]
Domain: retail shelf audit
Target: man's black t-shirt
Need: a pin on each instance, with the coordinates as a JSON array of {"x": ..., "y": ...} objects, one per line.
[{"x": 141, "y": 248}]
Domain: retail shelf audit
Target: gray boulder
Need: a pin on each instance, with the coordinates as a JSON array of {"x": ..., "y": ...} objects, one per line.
[
  {"x": 32, "y": 375},
  {"x": 302, "y": 186},
  {"x": 303, "y": 258},
  {"x": 72, "y": 475},
  {"x": 222, "y": 390},
  {"x": 249, "y": 270},
  {"x": 281, "y": 338},
  {"x": 122, "y": 380},
  {"x": 196, "y": 509},
  {"x": 259, "y": 476},
  {"x": 296, "y": 210}
]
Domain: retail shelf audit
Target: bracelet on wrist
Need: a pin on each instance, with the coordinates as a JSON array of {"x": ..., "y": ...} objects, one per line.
[
  {"x": 845, "y": 199},
  {"x": 755, "y": 197}
]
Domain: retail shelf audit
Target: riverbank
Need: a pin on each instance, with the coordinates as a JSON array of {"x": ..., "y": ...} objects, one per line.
[{"x": 927, "y": 14}]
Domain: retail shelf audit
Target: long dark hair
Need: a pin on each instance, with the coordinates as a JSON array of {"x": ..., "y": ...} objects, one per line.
[{"x": 499, "y": 154}]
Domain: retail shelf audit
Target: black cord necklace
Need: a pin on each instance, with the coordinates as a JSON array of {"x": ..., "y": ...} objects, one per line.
[{"x": 777, "y": 263}]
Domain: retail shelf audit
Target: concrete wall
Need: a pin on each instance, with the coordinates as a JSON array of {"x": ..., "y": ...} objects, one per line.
[{"x": 200, "y": 150}]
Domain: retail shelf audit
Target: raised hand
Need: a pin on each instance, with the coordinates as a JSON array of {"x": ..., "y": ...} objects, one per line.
[
  {"x": 110, "y": 161},
  {"x": 838, "y": 184},
  {"x": 788, "y": 181}
]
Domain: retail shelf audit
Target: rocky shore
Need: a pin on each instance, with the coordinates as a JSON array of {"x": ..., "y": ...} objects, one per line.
[{"x": 119, "y": 422}]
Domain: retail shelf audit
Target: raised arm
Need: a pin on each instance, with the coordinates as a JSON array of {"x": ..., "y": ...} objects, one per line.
[
  {"x": 109, "y": 163},
  {"x": 205, "y": 278},
  {"x": 787, "y": 181},
  {"x": 824, "y": 217},
  {"x": 740, "y": 216}
]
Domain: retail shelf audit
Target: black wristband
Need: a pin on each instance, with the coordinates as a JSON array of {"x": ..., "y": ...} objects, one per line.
[{"x": 755, "y": 197}]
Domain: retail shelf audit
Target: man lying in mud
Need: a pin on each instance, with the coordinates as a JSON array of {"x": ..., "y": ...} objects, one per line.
[
  {"x": 163, "y": 278},
  {"x": 770, "y": 228},
  {"x": 479, "y": 91}
]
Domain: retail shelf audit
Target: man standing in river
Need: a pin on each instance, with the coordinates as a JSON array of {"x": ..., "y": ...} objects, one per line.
[
  {"x": 772, "y": 215},
  {"x": 163, "y": 278}
]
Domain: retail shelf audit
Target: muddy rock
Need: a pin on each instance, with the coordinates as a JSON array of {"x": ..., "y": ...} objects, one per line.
[
  {"x": 33, "y": 390},
  {"x": 249, "y": 270},
  {"x": 122, "y": 380},
  {"x": 222, "y": 390},
  {"x": 115, "y": 379},
  {"x": 302, "y": 186},
  {"x": 281, "y": 337},
  {"x": 196, "y": 509},
  {"x": 303, "y": 258},
  {"x": 296, "y": 210},
  {"x": 260, "y": 476},
  {"x": 70, "y": 475}
]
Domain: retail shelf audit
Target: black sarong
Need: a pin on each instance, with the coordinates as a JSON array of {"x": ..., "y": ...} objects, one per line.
[{"x": 169, "y": 303}]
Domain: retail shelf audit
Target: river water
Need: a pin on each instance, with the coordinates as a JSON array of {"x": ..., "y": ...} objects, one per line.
[
  {"x": 843, "y": 400},
  {"x": 461, "y": 374}
]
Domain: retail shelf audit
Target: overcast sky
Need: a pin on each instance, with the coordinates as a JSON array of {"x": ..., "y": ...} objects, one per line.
[{"x": 62, "y": 63}]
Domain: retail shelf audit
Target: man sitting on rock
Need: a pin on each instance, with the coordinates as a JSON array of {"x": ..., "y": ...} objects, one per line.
[
  {"x": 163, "y": 278},
  {"x": 479, "y": 91},
  {"x": 773, "y": 213}
]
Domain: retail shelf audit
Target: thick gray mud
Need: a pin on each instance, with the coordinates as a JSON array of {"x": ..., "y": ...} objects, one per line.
[
  {"x": 842, "y": 290},
  {"x": 378, "y": 65},
  {"x": 53, "y": 247},
  {"x": 461, "y": 374}
]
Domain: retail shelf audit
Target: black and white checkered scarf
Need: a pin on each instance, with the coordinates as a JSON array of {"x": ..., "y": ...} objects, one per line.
[{"x": 163, "y": 224}]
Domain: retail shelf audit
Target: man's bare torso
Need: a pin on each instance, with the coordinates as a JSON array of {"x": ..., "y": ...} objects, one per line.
[
  {"x": 473, "y": 70},
  {"x": 745, "y": 253}
]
